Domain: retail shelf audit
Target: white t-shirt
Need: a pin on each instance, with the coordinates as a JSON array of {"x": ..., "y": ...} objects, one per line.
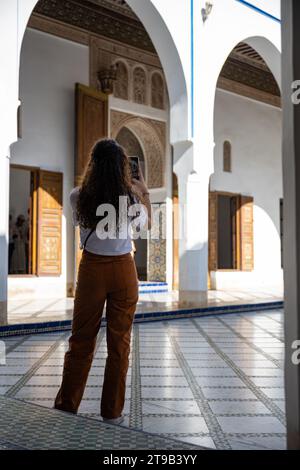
[{"x": 106, "y": 247}]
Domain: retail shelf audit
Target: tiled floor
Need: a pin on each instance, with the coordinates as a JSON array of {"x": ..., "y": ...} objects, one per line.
[
  {"x": 32, "y": 311},
  {"x": 213, "y": 381}
]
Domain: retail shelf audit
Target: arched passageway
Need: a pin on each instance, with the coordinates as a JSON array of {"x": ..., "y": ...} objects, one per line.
[
  {"x": 167, "y": 51},
  {"x": 149, "y": 135},
  {"x": 245, "y": 229}
]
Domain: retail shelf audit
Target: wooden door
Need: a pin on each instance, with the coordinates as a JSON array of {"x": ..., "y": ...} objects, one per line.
[
  {"x": 91, "y": 126},
  {"x": 33, "y": 222},
  {"x": 246, "y": 233},
  {"x": 213, "y": 232},
  {"x": 49, "y": 223},
  {"x": 234, "y": 231}
]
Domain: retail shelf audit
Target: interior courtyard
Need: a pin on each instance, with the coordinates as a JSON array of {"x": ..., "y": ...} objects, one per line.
[{"x": 217, "y": 310}]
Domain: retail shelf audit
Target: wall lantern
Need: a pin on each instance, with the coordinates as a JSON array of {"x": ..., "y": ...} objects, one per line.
[
  {"x": 206, "y": 11},
  {"x": 106, "y": 78}
]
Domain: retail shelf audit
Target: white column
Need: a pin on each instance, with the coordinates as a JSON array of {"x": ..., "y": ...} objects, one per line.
[
  {"x": 193, "y": 243},
  {"x": 12, "y": 24},
  {"x": 4, "y": 204}
]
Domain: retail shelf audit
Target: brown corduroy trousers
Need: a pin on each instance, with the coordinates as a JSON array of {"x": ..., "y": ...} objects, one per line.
[{"x": 100, "y": 278}]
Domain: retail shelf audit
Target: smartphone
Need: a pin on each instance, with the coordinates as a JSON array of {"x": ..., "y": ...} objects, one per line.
[{"x": 134, "y": 165}]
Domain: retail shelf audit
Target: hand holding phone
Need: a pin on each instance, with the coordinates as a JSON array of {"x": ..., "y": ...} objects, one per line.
[
  {"x": 138, "y": 180},
  {"x": 135, "y": 167}
]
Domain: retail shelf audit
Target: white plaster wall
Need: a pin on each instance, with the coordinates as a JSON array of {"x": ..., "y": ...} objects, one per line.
[
  {"x": 50, "y": 67},
  {"x": 254, "y": 129}
]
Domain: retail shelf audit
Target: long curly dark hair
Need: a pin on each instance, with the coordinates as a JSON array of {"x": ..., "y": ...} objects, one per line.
[{"x": 107, "y": 177}]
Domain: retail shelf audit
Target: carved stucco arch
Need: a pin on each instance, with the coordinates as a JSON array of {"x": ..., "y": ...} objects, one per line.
[{"x": 151, "y": 135}]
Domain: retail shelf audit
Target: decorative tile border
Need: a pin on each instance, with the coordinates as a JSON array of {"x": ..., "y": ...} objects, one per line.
[
  {"x": 152, "y": 284},
  {"x": 46, "y": 327},
  {"x": 149, "y": 287},
  {"x": 162, "y": 291}
]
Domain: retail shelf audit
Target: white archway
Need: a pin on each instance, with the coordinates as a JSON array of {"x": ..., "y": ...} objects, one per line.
[
  {"x": 263, "y": 46},
  {"x": 251, "y": 121},
  {"x": 167, "y": 52},
  {"x": 269, "y": 52}
]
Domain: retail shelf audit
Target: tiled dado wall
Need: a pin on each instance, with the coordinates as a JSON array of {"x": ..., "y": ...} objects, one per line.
[{"x": 157, "y": 252}]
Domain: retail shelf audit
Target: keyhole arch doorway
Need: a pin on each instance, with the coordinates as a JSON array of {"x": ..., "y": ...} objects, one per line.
[{"x": 129, "y": 141}]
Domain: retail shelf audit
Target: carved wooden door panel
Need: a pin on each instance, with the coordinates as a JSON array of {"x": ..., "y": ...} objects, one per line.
[
  {"x": 213, "y": 231},
  {"x": 50, "y": 195}
]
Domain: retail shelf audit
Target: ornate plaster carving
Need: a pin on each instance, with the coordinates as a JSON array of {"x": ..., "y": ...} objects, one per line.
[
  {"x": 104, "y": 53},
  {"x": 139, "y": 84},
  {"x": 121, "y": 87},
  {"x": 251, "y": 76},
  {"x": 157, "y": 91},
  {"x": 110, "y": 19}
]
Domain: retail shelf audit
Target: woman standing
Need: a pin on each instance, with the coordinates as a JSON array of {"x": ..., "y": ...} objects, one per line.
[{"x": 107, "y": 272}]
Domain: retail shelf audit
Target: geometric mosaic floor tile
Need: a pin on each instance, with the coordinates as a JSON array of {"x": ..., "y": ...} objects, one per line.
[{"x": 28, "y": 426}]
